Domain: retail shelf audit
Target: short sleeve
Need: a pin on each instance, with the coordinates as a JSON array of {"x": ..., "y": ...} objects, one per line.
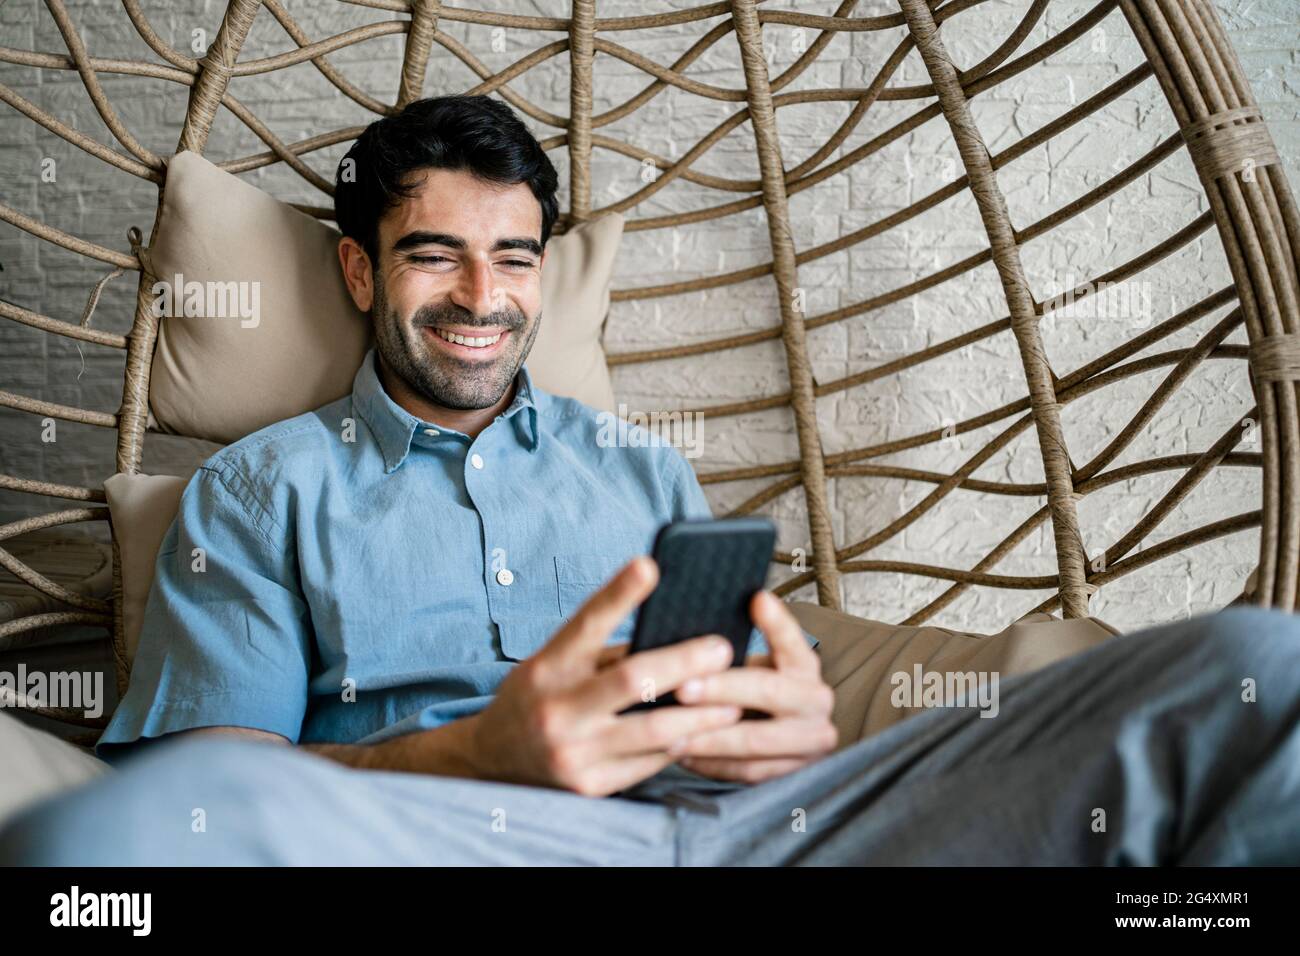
[{"x": 226, "y": 636}]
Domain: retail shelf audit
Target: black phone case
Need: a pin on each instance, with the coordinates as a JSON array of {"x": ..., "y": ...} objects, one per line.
[{"x": 708, "y": 572}]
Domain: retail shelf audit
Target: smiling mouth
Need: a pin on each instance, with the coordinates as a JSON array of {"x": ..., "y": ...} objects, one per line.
[{"x": 467, "y": 341}]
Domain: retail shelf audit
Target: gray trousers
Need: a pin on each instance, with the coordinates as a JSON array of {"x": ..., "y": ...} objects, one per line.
[{"x": 1174, "y": 745}]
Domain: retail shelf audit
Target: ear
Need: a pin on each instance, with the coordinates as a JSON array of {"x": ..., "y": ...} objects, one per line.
[{"x": 358, "y": 273}]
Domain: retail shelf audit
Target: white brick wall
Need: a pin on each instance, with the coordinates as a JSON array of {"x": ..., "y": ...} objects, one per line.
[{"x": 98, "y": 203}]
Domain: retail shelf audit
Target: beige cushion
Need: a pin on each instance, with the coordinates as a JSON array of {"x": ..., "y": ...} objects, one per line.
[
  {"x": 567, "y": 357},
  {"x": 142, "y": 509},
  {"x": 223, "y": 378},
  {"x": 859, "y": 658}
]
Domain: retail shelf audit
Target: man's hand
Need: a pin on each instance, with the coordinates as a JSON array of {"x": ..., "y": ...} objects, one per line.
[
  {"x": 555, "y": 719},
  {"x": 787, "y": 684}
]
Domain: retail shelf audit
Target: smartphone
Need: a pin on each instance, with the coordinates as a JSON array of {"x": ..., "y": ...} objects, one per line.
[{"x": 709, "y": 570}]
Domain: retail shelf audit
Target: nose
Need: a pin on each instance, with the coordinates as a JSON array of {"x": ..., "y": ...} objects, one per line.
[{"x": 475, "y": 291}]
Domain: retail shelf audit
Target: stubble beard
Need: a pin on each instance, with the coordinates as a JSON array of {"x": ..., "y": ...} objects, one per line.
[{"x": 443, "y": 379}]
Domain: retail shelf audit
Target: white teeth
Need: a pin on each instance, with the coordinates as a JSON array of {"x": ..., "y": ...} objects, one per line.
[{"x": 472, "y": 342}]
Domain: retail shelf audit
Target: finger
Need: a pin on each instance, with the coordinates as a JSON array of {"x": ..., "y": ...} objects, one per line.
[
  {"x": 615, "y": 775},
  {"x": 650, "y": 675},
  {"x": 588, "y": 630},
  {"x": 656, "y": 731},
  {"x": 790, "y": 649},
  {"x": 772, "y": 691},
  {"x": 748, "y": 771},
  {"x": 784, "y": 737},
  {"x": 612, "y": 653}
]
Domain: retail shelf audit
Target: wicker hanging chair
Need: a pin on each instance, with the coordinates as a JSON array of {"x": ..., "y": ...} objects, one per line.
[{"x": 1214, "y": 118}]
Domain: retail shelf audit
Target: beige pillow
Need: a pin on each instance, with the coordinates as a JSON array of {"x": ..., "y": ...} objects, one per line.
[
  {"x": 142, "y": 509},
  {"x": 291, "y": 340},
  {"x": 860, "y": 658},
  {"x": 567, "y": 356}
]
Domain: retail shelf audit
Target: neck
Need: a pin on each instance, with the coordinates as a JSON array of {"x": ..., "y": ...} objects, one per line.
[{"x": 470, "y": 421}]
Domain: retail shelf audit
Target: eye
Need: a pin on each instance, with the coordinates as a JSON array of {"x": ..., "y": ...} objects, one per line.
[
  {"x": 518, "y": 263},
  {"x": 433, "y": 260}
]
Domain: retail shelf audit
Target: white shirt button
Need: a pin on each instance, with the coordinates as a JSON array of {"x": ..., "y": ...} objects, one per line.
[
  {"x": 476, "y": 461},
  {"x": 432, "y": 432},
  {"x": 505, "y": 576}
]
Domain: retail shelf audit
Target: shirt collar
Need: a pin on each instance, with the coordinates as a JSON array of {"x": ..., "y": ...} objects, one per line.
[{"x": 393, "y": 426}]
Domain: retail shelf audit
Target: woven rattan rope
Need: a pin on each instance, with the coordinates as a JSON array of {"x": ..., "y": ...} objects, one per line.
[
  {"x": 1276, "y": 358},
  {"x": 1187, "y": 54}
]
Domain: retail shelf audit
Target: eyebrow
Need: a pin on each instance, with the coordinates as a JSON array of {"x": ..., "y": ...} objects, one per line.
[{"x": 421, "y": 238}]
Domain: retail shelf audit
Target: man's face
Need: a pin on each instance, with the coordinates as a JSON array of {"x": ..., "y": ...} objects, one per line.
[{"x": 457, "y": 289}]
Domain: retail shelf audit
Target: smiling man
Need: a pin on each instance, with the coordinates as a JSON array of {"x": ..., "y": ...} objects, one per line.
[
  {"x": 406, "y": 641},
  {"x": 385, "y": 563}
]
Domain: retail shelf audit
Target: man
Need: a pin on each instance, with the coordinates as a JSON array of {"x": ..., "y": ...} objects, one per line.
[
  {"x": 391, "y": 556},
  {"x": 373, "y": 635}
]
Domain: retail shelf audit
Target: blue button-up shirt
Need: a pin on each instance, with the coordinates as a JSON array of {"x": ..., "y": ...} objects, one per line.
[{"x": 355, "y": 573}]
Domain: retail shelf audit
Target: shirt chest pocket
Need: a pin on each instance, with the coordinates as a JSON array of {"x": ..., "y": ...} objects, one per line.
[
  {"x": 570, "y": 580},
  {"x": 579, "y": 576}
]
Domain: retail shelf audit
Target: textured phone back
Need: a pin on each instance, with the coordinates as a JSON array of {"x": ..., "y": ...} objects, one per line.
[{"x": 709, "y": 570}]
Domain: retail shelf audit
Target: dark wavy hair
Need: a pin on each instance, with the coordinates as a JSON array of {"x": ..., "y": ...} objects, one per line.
[{"x": 476, "y": 133}]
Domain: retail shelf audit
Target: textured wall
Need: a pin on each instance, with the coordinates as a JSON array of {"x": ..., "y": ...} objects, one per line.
[{"x": 91, "y": 200}]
